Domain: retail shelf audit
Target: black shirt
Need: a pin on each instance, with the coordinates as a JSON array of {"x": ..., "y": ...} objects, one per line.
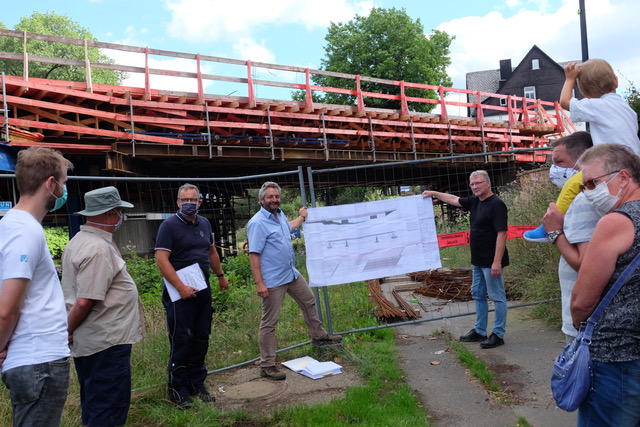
[{"x": 487, "y": 218}]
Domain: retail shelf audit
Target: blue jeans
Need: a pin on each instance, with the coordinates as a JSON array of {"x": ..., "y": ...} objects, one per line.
[
  {"x": 484, "y": 284},
  {"x": 38, "y": 392},
  {"x": 614, "y": 399}
]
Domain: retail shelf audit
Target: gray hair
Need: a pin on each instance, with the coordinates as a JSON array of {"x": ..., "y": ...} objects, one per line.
[
  {"x": 614, "y": 157},
  {"x": 263, "y": 189},
  {"x": 186, "y": 187},
  {"x": 481, "y": 173}
]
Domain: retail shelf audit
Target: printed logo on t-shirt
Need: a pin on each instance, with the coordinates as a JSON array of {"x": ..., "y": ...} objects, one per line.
[{"x": 24, "y": 258}]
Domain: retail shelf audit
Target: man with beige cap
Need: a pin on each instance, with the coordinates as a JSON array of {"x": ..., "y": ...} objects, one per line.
[{"x": 104, "y": 311}]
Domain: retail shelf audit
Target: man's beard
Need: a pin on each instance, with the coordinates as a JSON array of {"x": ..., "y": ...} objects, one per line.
[
  {"x": 51, "y": 202},
  {"x": 268, "y": 207}
]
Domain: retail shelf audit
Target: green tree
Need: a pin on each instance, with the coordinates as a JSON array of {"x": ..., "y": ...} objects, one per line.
[
  {"x": 633, "y": 98},
  {"x": 50, "y": 23},
  {"x": 387, "y": 44}
]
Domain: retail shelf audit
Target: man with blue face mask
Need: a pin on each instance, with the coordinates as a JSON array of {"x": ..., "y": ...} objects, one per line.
[
  {"x": 565, "y": 174},
  {"x": 34, "y": 351},
  {"x": 104, "y": 311},
  {"x": 183, "y": 240}
]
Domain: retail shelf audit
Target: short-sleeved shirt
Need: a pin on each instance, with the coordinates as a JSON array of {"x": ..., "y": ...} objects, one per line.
[
  {"x": 611, "y": 120},
  {"x": 270, "y": 237},
  {"x": 40, "y": 335},
  {"x": 579, "y": 223},
  {"x": 93, "y": 268},
  {"x": 187, "y": 241},
  {"x": 487, "y": 218}
]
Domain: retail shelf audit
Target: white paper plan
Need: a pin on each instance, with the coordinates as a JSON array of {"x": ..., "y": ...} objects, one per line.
[
  {"x": 190, "y": 276},
  {"x": 363, "y": 241}
]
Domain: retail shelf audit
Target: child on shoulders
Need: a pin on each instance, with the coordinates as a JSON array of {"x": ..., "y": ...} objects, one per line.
[{"x": 610, "y": 118}]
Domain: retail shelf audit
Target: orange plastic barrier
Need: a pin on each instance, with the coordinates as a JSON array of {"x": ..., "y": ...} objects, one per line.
[{"x": 461, "y": 238}]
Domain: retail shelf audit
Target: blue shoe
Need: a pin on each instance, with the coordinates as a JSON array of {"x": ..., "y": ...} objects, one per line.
[{"x": 537, "y": 235}]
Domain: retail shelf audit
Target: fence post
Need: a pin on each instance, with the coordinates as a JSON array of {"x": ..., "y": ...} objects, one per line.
[
  {"x": 25, "y": 58},
  {"x": 5, "y": 111},
  {"x": 87, "y": 68}
]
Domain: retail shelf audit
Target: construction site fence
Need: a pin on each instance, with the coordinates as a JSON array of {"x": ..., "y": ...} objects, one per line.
[{"x": 154, "y": 199}]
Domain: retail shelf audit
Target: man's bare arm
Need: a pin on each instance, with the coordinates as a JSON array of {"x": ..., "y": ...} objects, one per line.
[{"x": 11, "y": 298}]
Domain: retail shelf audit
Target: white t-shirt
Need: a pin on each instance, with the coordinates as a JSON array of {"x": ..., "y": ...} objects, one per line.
[
  {"x": 579, "y": 223},
  {"x": 41, "y": 333},
  {"x": 611, "y": 120}
]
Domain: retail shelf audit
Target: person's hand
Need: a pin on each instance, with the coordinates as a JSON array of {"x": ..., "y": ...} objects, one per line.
[
  {"x": 223, "y": 283},
  {"x": 262, "y": 290},
  {"x": 70, "y": 339},
  {"x": 427, "y": 193},
  {"x": 187, "y": 292},
  {"x": 496, "y": 269},
  {"x": 554, "y": 219},
  {"x": 571, "y": 71},
  {"x": 303, "y": 212}
]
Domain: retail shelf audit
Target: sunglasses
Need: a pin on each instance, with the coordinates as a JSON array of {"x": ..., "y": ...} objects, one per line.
[{"x": 591, "y": 184}]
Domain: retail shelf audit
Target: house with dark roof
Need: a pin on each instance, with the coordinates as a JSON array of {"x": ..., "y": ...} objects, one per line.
[{"x": 537, "y": 76}]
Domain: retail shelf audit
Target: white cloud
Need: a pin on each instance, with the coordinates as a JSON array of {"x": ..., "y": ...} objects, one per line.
[
  {"x": 482, "y": 41},
  {"x": 248, "y": 48},
  {"x": 213, "y": 20}
]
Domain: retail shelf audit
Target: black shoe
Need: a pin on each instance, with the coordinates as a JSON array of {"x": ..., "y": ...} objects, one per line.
[
  {"x": 204, "y": 395},
  {"x": 473, "y": 336},
  {"x": 328, "y": 340},
  {"x": 272, "y": 373},
  {"x": 182, "y": 402},
  {"x": 492, "y": 342}
]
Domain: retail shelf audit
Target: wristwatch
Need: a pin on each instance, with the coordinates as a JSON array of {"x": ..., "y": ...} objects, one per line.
[{"x": 552, "y": 236}]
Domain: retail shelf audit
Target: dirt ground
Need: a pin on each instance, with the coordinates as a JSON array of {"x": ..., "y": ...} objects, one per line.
[{"x": 243, "y": 388}]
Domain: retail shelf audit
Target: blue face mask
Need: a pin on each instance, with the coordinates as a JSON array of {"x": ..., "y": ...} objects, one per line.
[
  {"x": 189, "y": 209},
  {"x": 60, "y": 201}
]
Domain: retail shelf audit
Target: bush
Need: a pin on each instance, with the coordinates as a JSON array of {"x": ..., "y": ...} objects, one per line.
[
  {"x": 146, "y": 275},
  {"x": 57, "y": 239}
]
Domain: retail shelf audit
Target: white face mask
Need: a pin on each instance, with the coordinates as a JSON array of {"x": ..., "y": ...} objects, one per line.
[
  {"x": 600, "y": 198},
  {"x": 560, "y": 175},
  {"x": 115, "y": 226}
]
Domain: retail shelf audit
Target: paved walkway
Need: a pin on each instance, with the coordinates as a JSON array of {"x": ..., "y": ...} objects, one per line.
[{"x": 522, "y": 366}]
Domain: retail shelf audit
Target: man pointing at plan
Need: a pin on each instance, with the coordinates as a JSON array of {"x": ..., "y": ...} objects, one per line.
[{"x": 488, "y": 242}]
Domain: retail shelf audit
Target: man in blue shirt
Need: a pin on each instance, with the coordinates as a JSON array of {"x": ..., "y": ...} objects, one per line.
[{"x": 273, "y": 265}]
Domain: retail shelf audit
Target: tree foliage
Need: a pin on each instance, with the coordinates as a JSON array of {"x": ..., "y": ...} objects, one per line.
[
  {"x": 50, "y": 23},
  {"x": 387, "y": 44},
  {"x": 633, "y": 98}
]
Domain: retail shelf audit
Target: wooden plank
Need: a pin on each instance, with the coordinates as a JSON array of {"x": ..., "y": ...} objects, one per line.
[{"x": 92, "y": 131}]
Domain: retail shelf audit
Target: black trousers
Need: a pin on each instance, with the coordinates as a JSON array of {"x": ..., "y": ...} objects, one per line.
[{"x": 189, "y": 327}]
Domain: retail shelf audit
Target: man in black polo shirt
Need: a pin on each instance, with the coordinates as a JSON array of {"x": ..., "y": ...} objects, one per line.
[
  {"x": 488, "y": 255},
  {"x": 183, "y": 240}
]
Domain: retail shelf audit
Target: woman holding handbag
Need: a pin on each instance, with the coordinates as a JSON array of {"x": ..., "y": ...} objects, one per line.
[{"x": 611, "y": 183}]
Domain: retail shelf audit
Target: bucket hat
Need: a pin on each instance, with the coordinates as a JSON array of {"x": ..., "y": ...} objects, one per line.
[{"x": 101, "y": 200}]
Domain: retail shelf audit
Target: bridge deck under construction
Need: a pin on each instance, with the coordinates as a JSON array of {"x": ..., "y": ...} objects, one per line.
[{"x": 140, "y": 130}]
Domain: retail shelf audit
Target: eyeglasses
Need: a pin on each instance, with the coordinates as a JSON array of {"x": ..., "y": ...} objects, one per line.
[
  {"x": 591, "y": 184},
  {"x": 189, "y": 200}
]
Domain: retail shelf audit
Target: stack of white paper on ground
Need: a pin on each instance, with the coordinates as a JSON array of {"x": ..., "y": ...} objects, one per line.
[{"x": 310, "y": 367}]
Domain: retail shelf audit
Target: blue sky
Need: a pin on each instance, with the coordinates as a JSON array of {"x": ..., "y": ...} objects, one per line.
[{"x": 291, "y": 32}]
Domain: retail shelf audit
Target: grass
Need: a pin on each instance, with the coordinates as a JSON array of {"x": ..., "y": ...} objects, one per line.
[{"x": 385, "y": 399}]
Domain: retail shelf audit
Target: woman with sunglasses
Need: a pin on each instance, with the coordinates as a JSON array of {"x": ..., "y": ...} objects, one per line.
[{"x": 611, "y": 183}]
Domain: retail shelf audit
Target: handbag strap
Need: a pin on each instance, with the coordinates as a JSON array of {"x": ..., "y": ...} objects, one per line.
[{"x": 622, "y": 279}]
